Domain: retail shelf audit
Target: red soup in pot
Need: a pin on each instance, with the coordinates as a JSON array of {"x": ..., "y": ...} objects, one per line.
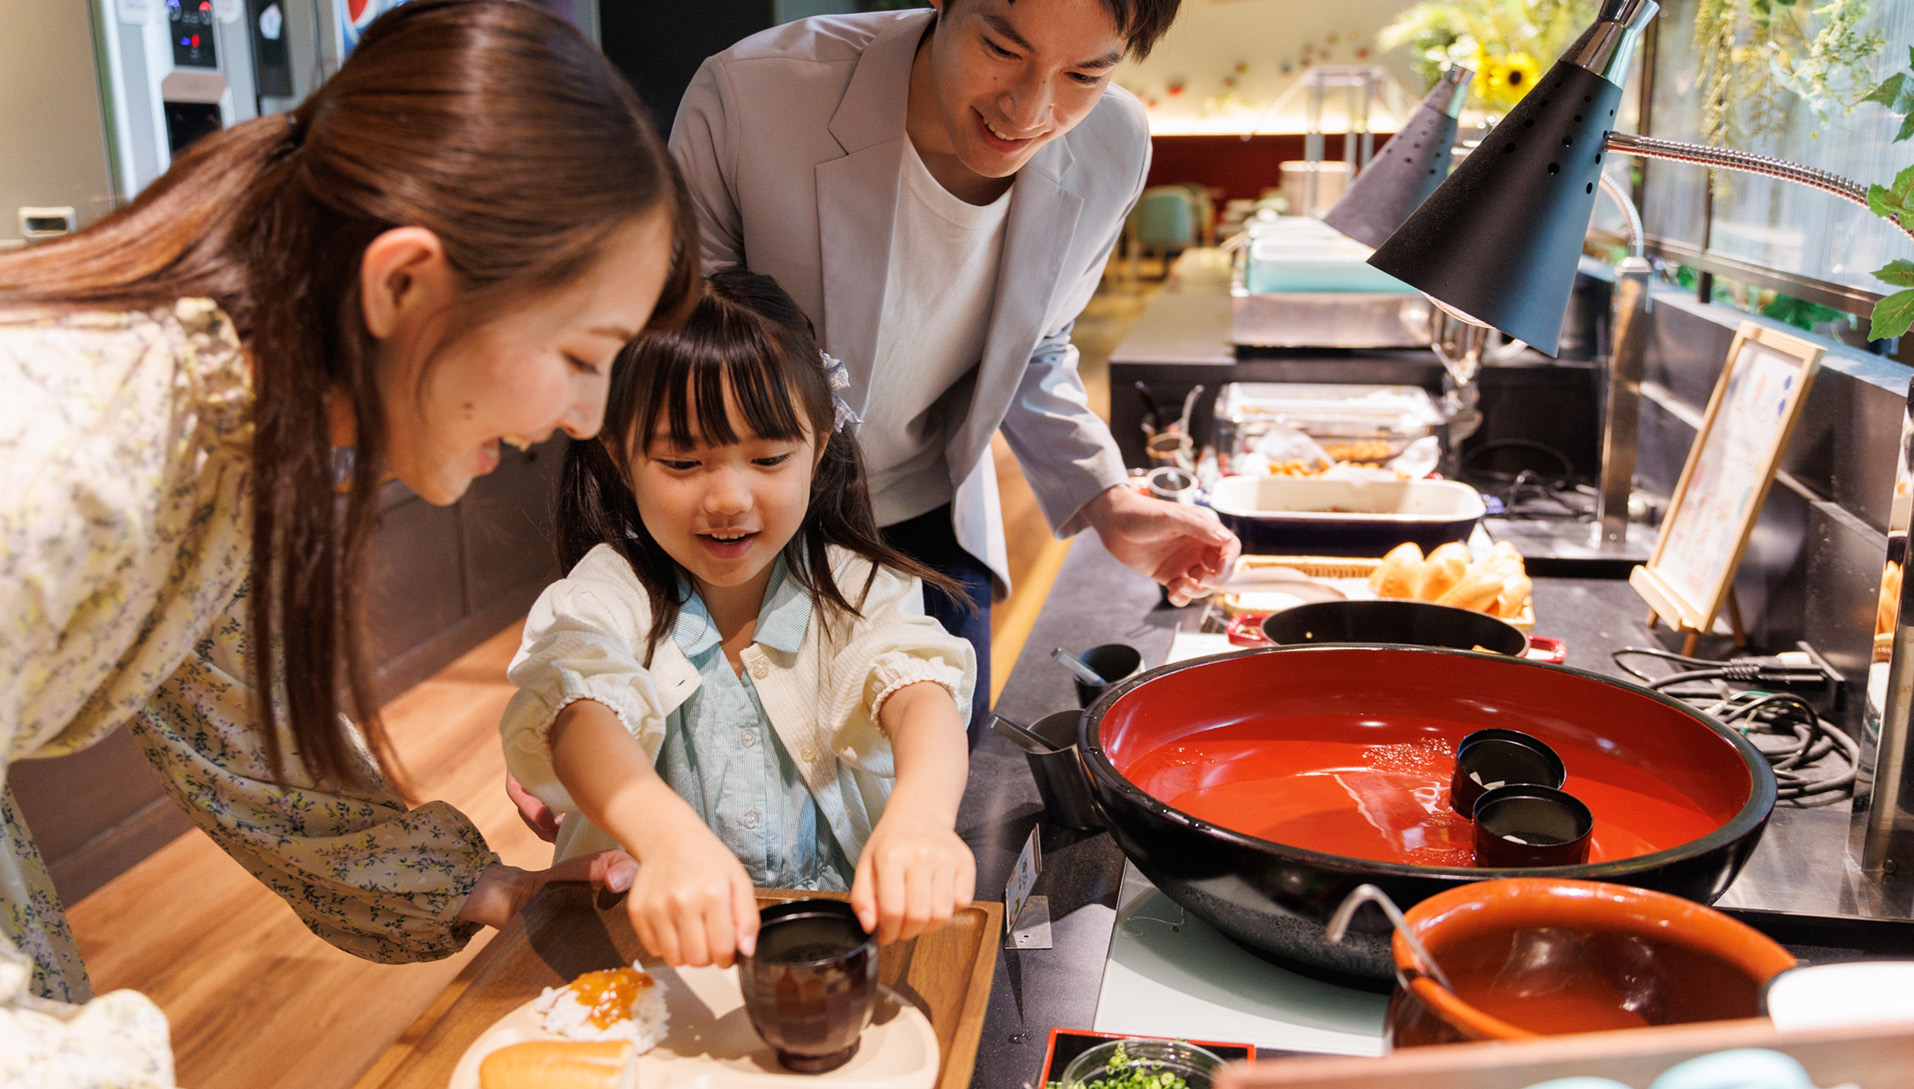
[{"x": 1363, "y": 772}]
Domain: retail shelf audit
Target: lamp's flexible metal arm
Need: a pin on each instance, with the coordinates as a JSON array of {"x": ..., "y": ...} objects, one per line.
[{"x": 1647, "y": 147}]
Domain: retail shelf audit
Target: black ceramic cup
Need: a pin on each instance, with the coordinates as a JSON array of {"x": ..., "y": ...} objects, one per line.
[
  {"x": 1487, "y": 759},
  {"x": 811, "y": 984},
  {"x": 1113, "y": 662},
  {"x": 1524, "y": 825}
]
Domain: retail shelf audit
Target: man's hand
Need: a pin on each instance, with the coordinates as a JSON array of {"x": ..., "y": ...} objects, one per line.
[
  {"x": 539, "y": 817},
  {"x": 503, "y": 891},
  {"x": 1180, "y": 546}
]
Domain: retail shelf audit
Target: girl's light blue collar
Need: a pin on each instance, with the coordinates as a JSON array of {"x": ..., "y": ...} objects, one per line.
[{"x": 783, "y": 617}]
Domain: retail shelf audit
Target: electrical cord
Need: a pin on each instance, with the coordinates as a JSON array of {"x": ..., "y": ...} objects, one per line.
[
  {"x": 1537, "y": 485},
  {"x": 1793, "y": 737},
  {"x": 1785, "y": 728},
  {"x": 1653, "y": 652},
  {"x": 1475, "y": 455}
]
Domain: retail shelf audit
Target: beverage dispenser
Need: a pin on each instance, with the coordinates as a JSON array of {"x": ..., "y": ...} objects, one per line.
[
  {"x": 103, "y": 94},
  {"x": 173, "y": 71}
]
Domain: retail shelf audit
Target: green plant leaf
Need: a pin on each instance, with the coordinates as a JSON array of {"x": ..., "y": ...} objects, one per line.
[
  {"x": 1895, "y": 201},
  {"x": 1898, "y": 273},
  {"x": 1907, "y": 127},
  {"x": 1892, "y": 316},
  {"x": 1786, "y": 309},
  {"x": 1799, "y": 313},
  {"x": 1888, "y": 91}
]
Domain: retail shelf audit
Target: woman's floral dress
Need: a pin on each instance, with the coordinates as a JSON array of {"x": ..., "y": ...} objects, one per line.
[{"x": 124, "y": 538}]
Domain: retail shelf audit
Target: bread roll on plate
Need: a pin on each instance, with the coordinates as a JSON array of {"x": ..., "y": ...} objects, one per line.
[
  {"x": 1443, "y": 570},
  {"x": 1504, "y": 558},
  {"x": 1477, "y": 590},
  {"x": 1399, "y": 573},
  {"x": 1514, "y": 595},
  {"x": 546, "y": 1064}
]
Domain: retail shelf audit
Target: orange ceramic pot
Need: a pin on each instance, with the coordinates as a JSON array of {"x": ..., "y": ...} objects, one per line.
[{"x": 1537, "y": 956}]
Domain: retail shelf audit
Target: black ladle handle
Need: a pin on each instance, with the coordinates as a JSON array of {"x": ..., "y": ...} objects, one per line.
[{"x": 1022, "y": 736}]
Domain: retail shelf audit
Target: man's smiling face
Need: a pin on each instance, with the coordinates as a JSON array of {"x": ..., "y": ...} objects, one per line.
[{"x": 1005, "y": 78}]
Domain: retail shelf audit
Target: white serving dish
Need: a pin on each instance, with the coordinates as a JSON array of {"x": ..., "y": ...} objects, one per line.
[{"x": 1312, "y": 517}]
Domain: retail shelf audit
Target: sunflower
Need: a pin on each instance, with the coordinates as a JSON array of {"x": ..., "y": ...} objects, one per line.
[
  {"x": 1489, "y": 75},
  {"x": 1519, "y": 73},
  {"x": 1500, "y": 82}
]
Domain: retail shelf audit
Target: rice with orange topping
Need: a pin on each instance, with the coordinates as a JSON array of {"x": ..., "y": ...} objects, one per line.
[{"x": 615, "y": 1004}]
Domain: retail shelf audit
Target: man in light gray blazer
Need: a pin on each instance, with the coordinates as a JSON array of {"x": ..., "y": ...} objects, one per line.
[{"x": 940, "y": 190}]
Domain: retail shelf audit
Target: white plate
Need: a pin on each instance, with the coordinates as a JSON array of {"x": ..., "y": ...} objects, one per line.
[
  {"x": 1861, "y": 992},
  {"x": 711, "y": 1044}
]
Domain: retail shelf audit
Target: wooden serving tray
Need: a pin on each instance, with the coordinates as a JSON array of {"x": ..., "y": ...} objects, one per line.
[{"x": 571, "y": 929}]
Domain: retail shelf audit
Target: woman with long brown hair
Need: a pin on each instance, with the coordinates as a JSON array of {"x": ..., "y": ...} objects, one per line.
[{"x": 441, "y": 250}]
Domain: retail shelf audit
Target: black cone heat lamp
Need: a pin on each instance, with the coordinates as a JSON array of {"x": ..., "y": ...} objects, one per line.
[
  {"x": 1496, "y": 245},
  {"x": 1407, "y": 169}
]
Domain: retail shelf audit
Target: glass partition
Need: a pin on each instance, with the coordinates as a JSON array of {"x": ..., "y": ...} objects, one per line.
[{"x": 1806, "y": 239}]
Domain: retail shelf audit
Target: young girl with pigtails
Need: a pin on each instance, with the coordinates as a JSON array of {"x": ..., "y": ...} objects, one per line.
[{"x": 737, "y": 681}]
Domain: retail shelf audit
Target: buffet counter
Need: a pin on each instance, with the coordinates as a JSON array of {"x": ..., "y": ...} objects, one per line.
[
  {"x": 1182, "y": 340},
  {"x": 1798, "y": 886},
  {"x": 1113, "y": 954}
]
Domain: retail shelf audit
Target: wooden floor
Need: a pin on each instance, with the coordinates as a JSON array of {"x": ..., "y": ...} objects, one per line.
[
  {"x": 257, "y": 1002},
  {"x": 254, "y": 999}
]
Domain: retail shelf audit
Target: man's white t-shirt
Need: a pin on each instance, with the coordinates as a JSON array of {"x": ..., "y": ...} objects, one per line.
[{"x": 938, "y": 294}]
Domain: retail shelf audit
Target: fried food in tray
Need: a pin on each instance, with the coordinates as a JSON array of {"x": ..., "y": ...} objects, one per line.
[{"x": 1318, "y": 468}]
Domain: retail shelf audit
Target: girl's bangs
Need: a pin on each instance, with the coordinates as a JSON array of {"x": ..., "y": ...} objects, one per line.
[{"x": 688, "y": 392}]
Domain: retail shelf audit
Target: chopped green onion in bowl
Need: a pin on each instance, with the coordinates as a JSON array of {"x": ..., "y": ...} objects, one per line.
[{"x": 1142, "y": 1064}]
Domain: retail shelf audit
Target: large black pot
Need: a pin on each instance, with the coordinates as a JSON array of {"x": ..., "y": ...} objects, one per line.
[{"x": 1275, "y": 898}]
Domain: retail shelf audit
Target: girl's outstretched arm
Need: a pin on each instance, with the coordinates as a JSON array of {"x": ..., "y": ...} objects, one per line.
[
  {"x": 691, "y": 902},
  {"x": 915, "y": 871}
]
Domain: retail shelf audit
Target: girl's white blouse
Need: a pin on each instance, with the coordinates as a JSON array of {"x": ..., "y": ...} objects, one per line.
[{"x": 585, "y": 639}]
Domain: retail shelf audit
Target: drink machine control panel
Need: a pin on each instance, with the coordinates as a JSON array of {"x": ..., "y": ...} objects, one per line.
[{"x": 191, "y": 23}]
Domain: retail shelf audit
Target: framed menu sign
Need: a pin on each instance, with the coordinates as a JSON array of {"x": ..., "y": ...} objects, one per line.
[{"x": 1752, "y": 413}]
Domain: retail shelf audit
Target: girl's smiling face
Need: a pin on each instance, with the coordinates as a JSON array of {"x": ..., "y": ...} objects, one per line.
[{"x": 723, "y": 511}]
